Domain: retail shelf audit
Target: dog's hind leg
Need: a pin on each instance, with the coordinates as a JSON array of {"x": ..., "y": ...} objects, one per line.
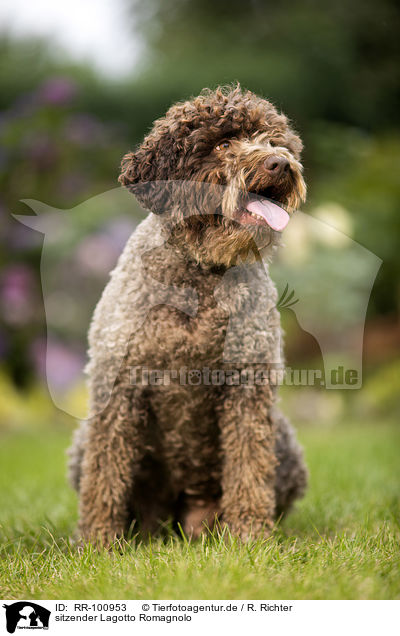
[{"x": 291, "y": 472}]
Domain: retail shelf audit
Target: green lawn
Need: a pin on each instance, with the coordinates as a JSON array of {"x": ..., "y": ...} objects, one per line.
[{"x": 342, "y": 540}]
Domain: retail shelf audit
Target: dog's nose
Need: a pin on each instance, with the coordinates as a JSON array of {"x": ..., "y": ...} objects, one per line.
[{"x": 276, "y": 166}]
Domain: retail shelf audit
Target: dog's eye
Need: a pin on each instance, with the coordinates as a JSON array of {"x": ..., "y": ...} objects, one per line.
[{"x": 223, "y": 145}]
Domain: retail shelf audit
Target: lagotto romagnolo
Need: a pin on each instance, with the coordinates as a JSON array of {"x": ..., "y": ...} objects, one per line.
[{"x": 220, "y": 175}]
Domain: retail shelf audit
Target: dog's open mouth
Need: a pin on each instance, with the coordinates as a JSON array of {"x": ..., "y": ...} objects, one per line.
[{"x": 262, "y": 209}]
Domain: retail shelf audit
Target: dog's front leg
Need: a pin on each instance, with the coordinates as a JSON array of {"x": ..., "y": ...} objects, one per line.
[
  {"x": 112, "y": 453},
  {"x": 249, "y": 462}
]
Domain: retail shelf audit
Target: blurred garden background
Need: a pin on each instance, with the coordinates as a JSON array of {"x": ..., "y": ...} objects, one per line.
[
  {"x": 80, "y": 84},
  {"x": 67, "y": 119}
]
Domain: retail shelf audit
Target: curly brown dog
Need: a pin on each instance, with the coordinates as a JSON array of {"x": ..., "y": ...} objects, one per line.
[{"x": 221, "y": 175}]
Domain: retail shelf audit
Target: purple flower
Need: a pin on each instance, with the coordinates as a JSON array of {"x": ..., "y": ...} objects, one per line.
[
  {"x": 57, "y": 91},
  {"x": 16, "y": 297},
  {"x": 61, "y": 364}
]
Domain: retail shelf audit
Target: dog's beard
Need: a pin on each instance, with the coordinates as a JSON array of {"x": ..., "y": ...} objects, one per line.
[
  {"x": 214, "y": 240},
  {"x": 220, "y": 223}
]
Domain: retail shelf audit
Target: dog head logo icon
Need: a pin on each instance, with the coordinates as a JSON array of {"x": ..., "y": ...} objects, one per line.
[{"x": 26, "y": 615}]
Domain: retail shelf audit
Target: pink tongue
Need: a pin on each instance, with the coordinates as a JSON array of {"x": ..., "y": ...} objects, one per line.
[{"x": 276, "y": 217}]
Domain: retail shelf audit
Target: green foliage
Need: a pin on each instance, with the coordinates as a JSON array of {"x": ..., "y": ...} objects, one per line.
[
  {"x": 316, "y": 59},
  {"x": 380, "y": 395},
  {"x": 360, "y": 171}
]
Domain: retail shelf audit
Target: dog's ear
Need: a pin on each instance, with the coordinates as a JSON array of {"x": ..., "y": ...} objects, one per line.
[
  {"x": 147, "y": 172},
  {"x": 131, "y": 171},
  {"x": 139, "y": 176}
]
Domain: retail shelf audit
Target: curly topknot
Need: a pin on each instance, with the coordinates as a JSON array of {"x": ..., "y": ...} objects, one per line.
[{"x": 185, "y": 136}]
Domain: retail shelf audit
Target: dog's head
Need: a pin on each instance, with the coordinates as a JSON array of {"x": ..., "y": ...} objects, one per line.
[{"x": 224, "y": 167}]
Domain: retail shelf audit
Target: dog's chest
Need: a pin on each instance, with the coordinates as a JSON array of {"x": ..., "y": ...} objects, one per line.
[
  {"x": 212, "y": 318},
  {"x": 184, "y": 314},
  {"x": 190, "y": 326}
]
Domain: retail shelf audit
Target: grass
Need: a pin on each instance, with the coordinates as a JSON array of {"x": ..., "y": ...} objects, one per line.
[{"x": 342, "y": 540}]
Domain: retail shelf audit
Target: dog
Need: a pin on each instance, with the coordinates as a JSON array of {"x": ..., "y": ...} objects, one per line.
[{"x": 221, "y": 176}]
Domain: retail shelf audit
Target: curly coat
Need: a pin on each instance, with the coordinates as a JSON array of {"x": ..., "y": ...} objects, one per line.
[{"x": 192, "y": 453}]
